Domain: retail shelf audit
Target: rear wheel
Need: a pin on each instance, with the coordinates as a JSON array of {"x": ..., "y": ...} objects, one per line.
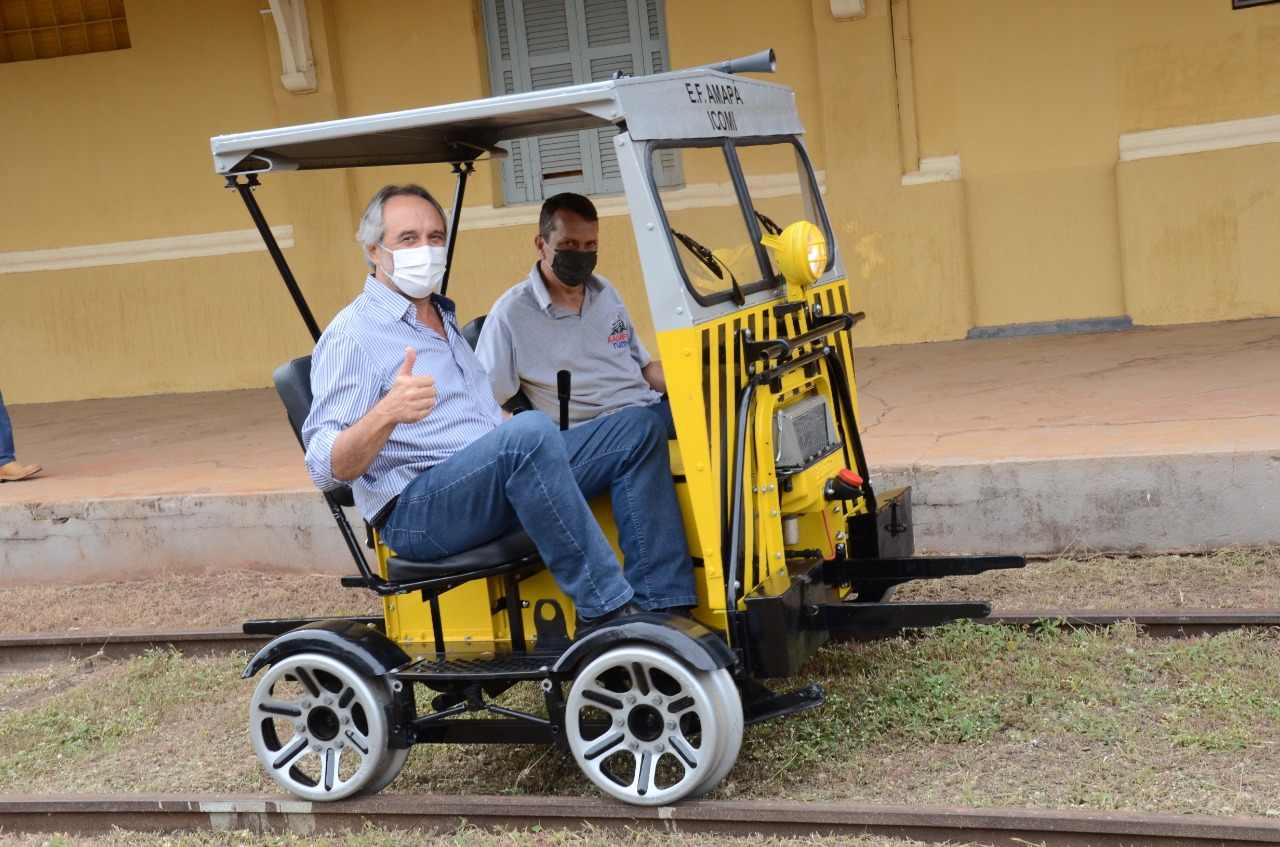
[
  {"x": 320, "y": 728},
  {"x": 648, "y": 729}
]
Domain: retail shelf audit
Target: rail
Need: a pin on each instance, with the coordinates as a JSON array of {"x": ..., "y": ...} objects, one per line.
[
  {"x": 27, "y": 651},
  {"x": 97, "y": 815}
]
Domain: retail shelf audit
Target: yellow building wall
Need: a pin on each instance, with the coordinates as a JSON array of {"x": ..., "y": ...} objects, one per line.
[
  {"x": 114, "y": 147},
  {"x": 1043, "y": 224},
  {"x": 906, "y": 249},
  {"x": 1198, "y": 229},
  {"x": 1211, "y": 251},
  {"x": 1034, "y": 97}
]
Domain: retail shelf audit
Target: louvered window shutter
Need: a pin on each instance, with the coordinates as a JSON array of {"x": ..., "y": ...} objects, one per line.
[{"x": 539, "y": 44}]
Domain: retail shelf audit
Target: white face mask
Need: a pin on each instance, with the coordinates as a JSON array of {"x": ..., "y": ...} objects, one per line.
[{"x": 417, "y": 271}]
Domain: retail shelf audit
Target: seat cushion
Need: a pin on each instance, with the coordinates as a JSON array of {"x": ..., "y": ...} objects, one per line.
[{"x": 508, "y": 548}]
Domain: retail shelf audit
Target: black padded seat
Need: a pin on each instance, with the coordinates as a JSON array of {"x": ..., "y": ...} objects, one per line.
[
  {"x": 513, "y": 547},
  {"x": 471, "y": 330},
  {"x": 293, "y": 384}
]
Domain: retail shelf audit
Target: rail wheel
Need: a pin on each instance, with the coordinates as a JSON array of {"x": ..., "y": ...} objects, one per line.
[
  {"x": 732, "y": 739},
  {"x": 648, "y": 729},
  {"x": 320, "y": 728}
]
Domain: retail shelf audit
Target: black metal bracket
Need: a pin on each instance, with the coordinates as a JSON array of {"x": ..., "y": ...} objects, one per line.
[
  {"x": 781, "y": 348},
  {"x": 858, "y": 617},
  {"x": 463, "y": 170},
  {"x": 759, "y": 704},
  {"x": 245, "y": 190},
  {"x": 897, "y": 570}
]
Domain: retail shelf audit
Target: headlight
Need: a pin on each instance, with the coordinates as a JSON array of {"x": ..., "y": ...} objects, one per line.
[{"x": 801, "y": 251}]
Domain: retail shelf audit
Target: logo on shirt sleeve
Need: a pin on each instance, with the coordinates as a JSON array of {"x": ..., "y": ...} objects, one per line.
[{"x": 618, "y": 335}]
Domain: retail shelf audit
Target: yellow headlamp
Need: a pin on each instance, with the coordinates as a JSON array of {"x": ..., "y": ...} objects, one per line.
[{"x": 801, "y": 251}]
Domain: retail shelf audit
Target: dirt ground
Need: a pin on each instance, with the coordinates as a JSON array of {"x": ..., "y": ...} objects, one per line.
[
  {"x": 964, "y": 715},
  {"x": 1231, "y": 579}
]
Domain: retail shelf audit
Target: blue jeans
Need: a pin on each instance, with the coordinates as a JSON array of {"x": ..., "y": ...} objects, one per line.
[
  {"x": 6, "y": 435},
  {"x": 663, "y": 410},
  {"x": 528, "y": 471}
]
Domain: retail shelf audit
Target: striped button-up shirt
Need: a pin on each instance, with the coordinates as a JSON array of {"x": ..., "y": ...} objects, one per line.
[{"x": 354, "y": 366}]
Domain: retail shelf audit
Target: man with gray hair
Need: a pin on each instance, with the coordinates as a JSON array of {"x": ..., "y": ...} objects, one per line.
[{"x": 404, "y": 415}]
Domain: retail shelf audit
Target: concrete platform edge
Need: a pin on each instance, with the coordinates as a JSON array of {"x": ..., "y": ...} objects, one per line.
[
  {"x": 1184, "y": 503},
  {"x": 117, "y": 539}
]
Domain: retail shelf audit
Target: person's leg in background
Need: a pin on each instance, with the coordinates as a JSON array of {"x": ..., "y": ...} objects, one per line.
[{"x": 11, "y": 470}]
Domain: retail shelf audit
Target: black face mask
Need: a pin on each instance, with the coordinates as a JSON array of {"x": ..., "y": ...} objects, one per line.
[{"x": 573, "y": 267}]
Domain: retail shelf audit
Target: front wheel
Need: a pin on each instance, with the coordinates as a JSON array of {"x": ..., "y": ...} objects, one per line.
[
  {"x": 648, "y": 729},
  {"x": 320, "y": 728}
]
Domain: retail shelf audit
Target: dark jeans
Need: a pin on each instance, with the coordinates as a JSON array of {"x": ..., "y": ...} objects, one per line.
[
  {"x": 530, "y": 472},
  {"x": 6, "y": 435}
]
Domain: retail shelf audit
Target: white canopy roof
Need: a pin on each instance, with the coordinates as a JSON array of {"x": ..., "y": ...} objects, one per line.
[{"x": 689, "y": 104}]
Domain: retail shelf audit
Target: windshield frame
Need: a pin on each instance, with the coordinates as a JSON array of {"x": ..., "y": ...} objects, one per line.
[{"x": 811, "y": 199}]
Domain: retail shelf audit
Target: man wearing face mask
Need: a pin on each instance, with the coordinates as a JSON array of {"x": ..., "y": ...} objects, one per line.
[
  {"x": 565, "y": 317},
  {"x": 402, "y": 413}
]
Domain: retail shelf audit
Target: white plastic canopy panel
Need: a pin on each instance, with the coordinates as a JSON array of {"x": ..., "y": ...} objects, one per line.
[{"x": 695, "y": 103}]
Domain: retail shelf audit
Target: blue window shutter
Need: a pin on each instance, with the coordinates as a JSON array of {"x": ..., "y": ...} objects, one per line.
[
  {"x": 539, "y": 44},
  {"x": 506, "y": 72},
  {"x": 654, "y": 49}
]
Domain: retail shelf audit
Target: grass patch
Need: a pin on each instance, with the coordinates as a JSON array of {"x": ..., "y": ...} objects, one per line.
[
  {"x": 969, "y": 714},
  {"x": 466, "y": 836},
  {"x": 76, "y": 716},
  {"x": 1240, "y": 579},
  {"x": 978, "y": 715}
]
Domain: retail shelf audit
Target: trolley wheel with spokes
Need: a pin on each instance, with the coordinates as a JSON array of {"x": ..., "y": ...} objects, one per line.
[
  {"x": 320, "y": 728},
  {"x": 648, "y": 729}
]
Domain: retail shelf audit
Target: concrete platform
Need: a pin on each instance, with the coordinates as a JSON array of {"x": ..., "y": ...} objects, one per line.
[{"x": 1142, "y": 440}]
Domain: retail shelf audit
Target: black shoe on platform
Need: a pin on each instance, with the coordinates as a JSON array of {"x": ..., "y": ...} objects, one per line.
[{"x": 583, "y": 624}]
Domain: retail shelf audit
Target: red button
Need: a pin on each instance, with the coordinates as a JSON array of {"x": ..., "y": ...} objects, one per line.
[{"x": 848, "y": 477}]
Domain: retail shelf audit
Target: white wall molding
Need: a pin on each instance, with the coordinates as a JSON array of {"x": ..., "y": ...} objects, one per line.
[
  {"x": 848, "y": 10},
  {"x": 290, "y": 18},
  {"x": 1199, "y": 138},
  {"x": 698, "y": 195},
  {"x": 147, "y": 250},
  {"x": 934, "y": 169}
]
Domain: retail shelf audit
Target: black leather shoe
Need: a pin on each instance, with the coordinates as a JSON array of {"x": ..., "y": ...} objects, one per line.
[{"x": 582, "y": 624}]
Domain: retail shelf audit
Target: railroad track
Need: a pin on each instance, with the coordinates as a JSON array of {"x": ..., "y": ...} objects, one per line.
[
  {"x": 28, "y": 651},
  {"x": 93, "y": 815}
]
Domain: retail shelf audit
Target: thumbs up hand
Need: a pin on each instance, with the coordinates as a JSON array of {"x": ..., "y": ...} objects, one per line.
[
  {"x": 410, "y": 359},
  {"x": 411, "y": 398}
]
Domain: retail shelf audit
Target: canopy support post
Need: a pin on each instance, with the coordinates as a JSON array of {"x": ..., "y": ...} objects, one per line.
[
  {"x": 245, "y": 190},
  {"x": 463, "y": 170}
]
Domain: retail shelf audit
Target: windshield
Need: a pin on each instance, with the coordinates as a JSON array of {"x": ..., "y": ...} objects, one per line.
[{"x": 734, "y": 191}]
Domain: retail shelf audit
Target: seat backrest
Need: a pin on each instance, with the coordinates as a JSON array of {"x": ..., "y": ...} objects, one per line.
[
  {"x": 293, "y": 384},
  {"x": 471, "y": 332}
]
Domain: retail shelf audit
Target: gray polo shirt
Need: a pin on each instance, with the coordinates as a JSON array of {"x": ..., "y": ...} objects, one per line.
[{"x": 526, "y": 339}]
